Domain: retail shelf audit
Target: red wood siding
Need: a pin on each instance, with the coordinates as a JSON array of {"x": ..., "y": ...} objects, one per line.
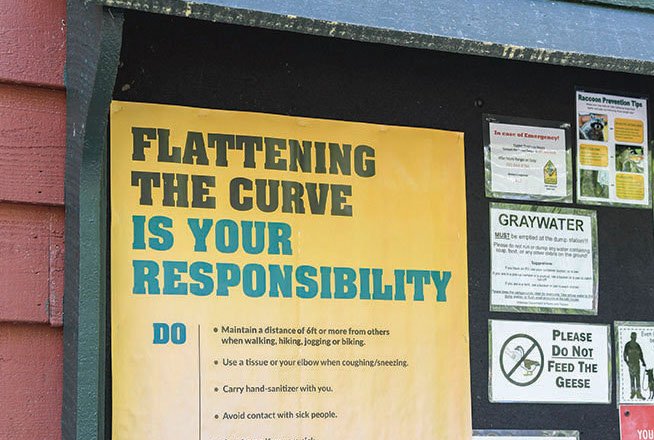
[
  {"x": 32, "y": 157},
  {"x": 33, "y": 42},
  {"x": 32, "y": 144},
  {"x": 31, "y": 239},
  {"x": 30, "y": 382}
]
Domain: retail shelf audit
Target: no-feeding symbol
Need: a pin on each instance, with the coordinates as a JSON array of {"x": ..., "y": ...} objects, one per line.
[{"x": 521, "y": 360}]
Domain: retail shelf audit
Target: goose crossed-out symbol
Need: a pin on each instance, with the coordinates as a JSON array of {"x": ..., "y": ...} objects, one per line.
[{"x": 521, "y": 360}]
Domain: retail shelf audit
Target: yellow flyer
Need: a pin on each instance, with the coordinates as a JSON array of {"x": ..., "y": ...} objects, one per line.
[{"x": 286, "y": 278}]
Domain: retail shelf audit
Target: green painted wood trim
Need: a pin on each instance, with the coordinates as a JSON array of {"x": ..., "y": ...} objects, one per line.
[{"x": 93, "y": 47}]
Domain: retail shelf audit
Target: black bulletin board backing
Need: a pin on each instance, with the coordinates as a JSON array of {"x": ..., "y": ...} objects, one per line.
[{"x": 187, "y": 62}]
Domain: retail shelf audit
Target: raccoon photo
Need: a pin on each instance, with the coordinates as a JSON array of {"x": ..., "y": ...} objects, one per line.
[{"x": 593, "y": 128}]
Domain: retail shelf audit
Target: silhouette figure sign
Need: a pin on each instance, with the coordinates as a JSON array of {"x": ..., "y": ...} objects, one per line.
[{"x": 521, "y": 360}]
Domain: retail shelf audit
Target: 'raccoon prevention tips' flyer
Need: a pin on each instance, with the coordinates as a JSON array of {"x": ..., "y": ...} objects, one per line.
[{"x": 612, "y": 152}]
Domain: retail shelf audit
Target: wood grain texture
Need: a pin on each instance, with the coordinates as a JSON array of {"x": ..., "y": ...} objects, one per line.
[
  {"x": 32, "y": 144},
  {"x": 30, "y": 380},
  {"x": 56, "y": 268},
  {"x": 31, "y": 270},
  {"x": 33, "y": 42},
  {"x": 94, "y": 48}
]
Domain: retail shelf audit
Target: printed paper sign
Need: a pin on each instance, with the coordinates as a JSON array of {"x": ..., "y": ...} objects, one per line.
[
  {"x": 634, "y": 358},
  {"x": 636, "y": 422},
  {"x": 527, "y": 161},
  {"x": 612, "y": 150},
  {"x": 524, "y": 435},
  {"x": 543, "y": 259},
  {"x": 543, "y": 362},
  {"x": 271, "y": 276}
]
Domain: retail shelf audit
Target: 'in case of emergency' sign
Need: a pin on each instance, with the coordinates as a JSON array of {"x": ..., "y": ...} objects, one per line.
[{"x": 549, "y": 362}]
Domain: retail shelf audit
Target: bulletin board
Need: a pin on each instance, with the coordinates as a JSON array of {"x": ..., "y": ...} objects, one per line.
[{"x": 182, "y": 62}]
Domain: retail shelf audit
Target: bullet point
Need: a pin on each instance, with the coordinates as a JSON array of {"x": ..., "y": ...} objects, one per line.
[
  {"x": 216, "y": 389},
  {"x": 215, "y": 329},
  {"x": 215, "y": 362},
  {"x": 216, "y": 416}
]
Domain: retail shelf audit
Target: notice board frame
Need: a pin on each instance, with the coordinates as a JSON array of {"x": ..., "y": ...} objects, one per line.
[{"x": 94, "y": 44}]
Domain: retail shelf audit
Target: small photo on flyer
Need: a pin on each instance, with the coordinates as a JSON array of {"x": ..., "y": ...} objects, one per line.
[
  {"x": 593, "y": 127},
  {"x": 629, "y": 159},
  {"x": 594, "y": 183}
]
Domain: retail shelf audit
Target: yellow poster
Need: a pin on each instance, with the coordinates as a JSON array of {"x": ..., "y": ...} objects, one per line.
[{"x": 286, "y": 278}]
